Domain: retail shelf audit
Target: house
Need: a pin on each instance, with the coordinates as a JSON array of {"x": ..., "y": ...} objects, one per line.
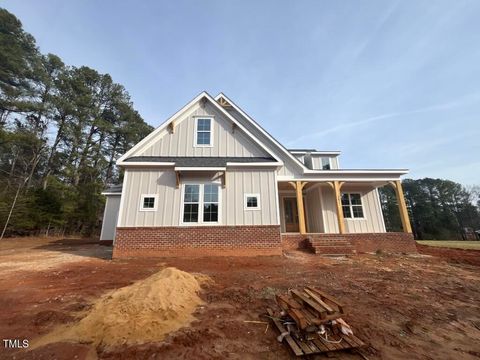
[{"x": 212, "y": 181}]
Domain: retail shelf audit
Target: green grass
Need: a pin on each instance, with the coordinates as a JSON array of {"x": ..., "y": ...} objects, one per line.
[{"x": 473, "y": 245}]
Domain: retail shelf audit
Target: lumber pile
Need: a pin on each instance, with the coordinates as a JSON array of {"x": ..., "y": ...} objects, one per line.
[{"x": 310, "y": 322}]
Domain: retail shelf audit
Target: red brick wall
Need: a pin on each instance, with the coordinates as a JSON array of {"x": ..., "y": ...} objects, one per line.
[
  {"x": 394, "y": 242},
  {"x": 294, "y": 241},
  {"x": 197, "y": 241}
]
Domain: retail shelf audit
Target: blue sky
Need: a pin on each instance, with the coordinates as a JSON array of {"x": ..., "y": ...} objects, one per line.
[{"x": 392, "y": 84}]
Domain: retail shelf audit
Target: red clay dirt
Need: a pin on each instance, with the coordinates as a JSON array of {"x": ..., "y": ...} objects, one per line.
[{"x": 403, "y": 307}]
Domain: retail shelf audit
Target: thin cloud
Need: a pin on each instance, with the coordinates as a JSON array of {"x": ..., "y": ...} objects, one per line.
[{"x": 445, "y": 106}]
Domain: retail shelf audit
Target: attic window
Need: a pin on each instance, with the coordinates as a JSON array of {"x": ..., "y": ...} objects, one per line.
[
  {"x": 326, "y": 163},
  {"x": 203, "y": 132}
]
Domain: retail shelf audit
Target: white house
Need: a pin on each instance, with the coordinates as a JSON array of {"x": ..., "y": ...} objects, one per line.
[{"x": 211, "y": 181}]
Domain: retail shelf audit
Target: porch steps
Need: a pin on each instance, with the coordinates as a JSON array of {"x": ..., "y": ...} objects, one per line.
[{"x": 331, "y": 246}]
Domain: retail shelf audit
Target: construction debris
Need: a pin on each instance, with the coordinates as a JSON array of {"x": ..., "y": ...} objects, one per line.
[{"x": 310, "y": 322}]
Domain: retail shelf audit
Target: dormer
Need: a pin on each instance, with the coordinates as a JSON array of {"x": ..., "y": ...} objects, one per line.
[{"x": 317, "y": 160}]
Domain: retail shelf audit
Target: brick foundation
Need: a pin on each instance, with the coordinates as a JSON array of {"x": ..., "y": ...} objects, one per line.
[
  {"x": 393, "y": 242},
  {"x": 294, "y": 241},
  {"x": 197, "y": 241}
]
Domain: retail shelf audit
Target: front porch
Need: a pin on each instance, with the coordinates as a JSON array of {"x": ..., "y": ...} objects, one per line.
[{"x": 340, "y": 218}]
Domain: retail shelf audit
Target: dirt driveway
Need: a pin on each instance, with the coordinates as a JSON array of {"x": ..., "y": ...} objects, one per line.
[{"x": 403, "y": 307}]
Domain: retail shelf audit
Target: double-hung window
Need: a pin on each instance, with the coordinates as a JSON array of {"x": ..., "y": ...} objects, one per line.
[
  {"x": 191, "y": 203},
  {"x": 201, "y": 203},
  {"x": 352, "y": 206},
  {"x": 203, "y": 135}
]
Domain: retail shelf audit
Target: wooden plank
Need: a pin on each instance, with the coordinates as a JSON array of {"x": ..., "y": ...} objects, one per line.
[
  {"x": 325, "y": 296},
  {"x": 312, "y": 347},
  {"x": 327, "y": 344},
  {"x": 292, "y": 344},
  {"x": 317, "y": 307},
  {"x": 319, "y": 300},
  {"x": 312, "y": 317},
  {"x": 305, "y": 348},
  {"x": 320, "y": 345},
  {"x": 299, "y": 318},
  {"x": 349, "y": 341},
  {"x": 359, "y": 342},
  {"x": 285, "y": 299}
]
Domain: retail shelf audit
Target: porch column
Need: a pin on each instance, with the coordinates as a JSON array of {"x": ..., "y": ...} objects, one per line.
[
  {"x": 337, "y": 185},
  {"x": 402, "y": 206},
  {"x": 298, "y": 186}
]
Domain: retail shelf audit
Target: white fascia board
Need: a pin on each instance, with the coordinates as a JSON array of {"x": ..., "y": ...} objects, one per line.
[
  {"x": 153, "y": 134},
  {"x": 111, "y": 194},
  {"x": 335, "y": 153},
  {"x": 316, "y": 152},
  {"x": 345, "y": 178},
  {"x": 259, "y": 128},
  {"x": 235, "y": 121},
  {"x": 353, "y": 171},
  {"x": 255, "y": 164},
  {"x": 351, "y": 176},
  {"x": 145, "y": 142},
  {"x": 199, "y": 168},
  {"x": 144, "y": 163}
]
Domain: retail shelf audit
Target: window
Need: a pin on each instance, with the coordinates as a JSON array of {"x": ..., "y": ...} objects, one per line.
[
  {"x": 352, "y": 206},
  {"x": 325, "y": 161},
  {"x": 252, "y": 202},
  {"x": 210, "y": 203},
  {"x": 148, "y": 202},
  {"x": 203, "y": 136},
  {"x": 201, "y": 203},
  {"x": 191, "y": 200}
]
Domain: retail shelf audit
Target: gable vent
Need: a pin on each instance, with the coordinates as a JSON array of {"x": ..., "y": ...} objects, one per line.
[{"x": 224, "y": 103}]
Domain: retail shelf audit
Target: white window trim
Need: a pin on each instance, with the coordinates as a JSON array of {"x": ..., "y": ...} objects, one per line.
[
  {"x": 200, "y": 203},
  {"x": 246, "y": 208},
  {"x": 329, "y": 163},
  {"x": 350, "y": 206},
  {"x": 211, "y": 131},
  {"x": 155, "y": 204}
]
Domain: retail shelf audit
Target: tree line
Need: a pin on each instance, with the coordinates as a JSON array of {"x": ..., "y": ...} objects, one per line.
[
  {"x": 439, "y": 209},
  {"x": 61, "y": 129}
]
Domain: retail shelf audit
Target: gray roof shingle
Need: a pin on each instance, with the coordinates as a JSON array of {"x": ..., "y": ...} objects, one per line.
[{"x": 199, "y": 161}]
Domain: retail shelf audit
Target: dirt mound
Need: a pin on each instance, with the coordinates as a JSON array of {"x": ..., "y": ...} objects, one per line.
[{"x": 143, "y": 312}]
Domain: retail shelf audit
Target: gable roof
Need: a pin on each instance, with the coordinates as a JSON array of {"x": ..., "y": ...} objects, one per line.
[
  {"x": 203, "y": 95},
  {"x": 279, "y": 146}
]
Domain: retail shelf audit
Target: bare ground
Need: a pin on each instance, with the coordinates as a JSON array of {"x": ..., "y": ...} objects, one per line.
[{"x": 403, "y": 307}]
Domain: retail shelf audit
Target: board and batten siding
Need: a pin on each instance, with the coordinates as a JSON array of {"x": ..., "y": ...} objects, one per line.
[
  {"x": 110, "y": 217},
  {"x": 228, "y": 140},
  {"x": 373, "y": 217},
  {"x": 314, "y": 211},
  {"x": 162, "y": 182},
  {"x": 290, "y": 168},
  {"x": 317, "y": 161}
]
